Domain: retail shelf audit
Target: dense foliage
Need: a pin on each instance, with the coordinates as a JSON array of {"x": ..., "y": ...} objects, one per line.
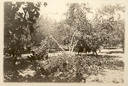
[
  {"x": 62, "y": 69},
  {"x": 19, "y": 30}
]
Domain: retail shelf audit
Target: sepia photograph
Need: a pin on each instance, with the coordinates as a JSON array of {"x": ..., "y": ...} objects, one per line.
[{"x": 63, "y": 41}]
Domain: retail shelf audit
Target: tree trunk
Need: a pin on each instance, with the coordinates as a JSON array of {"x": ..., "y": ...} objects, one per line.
[
  {"x": 58, "y": 44},
  {"x": 70, "y": 46}
]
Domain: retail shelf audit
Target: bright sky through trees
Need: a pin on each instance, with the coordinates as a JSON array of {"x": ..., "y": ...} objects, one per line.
[{"x": 56, "y": 8}]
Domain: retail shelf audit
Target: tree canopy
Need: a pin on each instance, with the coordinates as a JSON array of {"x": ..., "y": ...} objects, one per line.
[{"x": 19, "y": 21}]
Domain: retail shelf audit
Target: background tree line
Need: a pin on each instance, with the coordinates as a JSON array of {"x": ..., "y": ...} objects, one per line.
[{"x": 24, "y": 27}]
